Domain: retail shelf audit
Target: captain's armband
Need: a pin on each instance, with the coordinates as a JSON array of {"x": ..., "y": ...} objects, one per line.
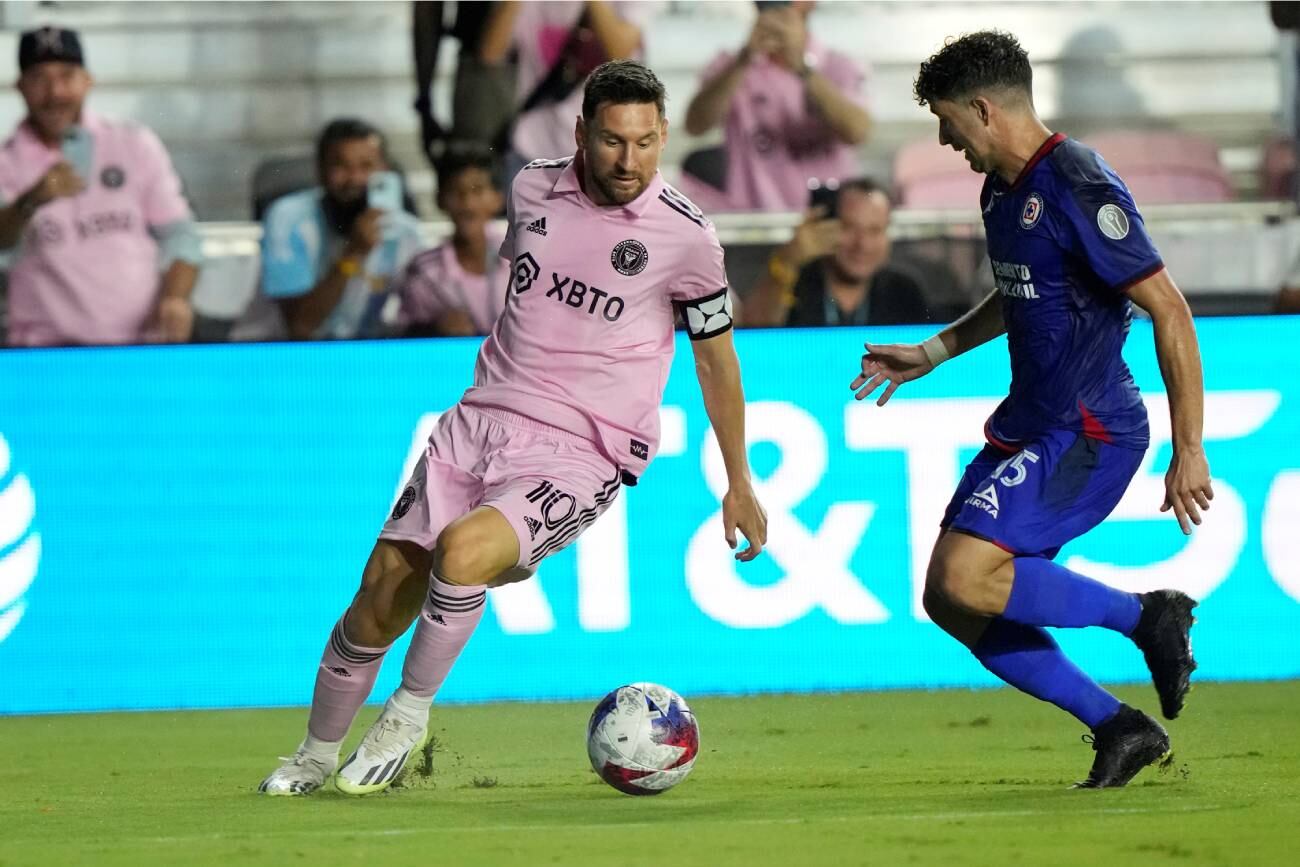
[{"x": 708, "y": 316}]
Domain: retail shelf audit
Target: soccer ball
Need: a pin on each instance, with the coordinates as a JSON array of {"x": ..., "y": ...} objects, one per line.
[{"x": 642, "y": 739}]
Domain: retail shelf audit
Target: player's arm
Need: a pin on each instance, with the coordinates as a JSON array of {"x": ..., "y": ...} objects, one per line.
[
  {"x": 1187, "y": 483},
  {"x": 718, "y": 371},
  {"x": 897, "y": 363}
]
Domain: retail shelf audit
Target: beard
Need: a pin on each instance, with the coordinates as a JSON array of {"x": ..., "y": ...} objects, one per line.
[
  {"x": 840, "y": 275},
  {"x": 618, "y": 195},
  {"x": 340, "y": 215}
]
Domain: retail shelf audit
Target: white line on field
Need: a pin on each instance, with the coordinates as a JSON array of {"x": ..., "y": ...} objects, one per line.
[{"x": 954, "y": 815}]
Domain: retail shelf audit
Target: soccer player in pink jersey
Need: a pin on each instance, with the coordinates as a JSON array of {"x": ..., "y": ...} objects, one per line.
[
  {"x": 89, "y": 207},
  {"x": 564, "y": 410}
]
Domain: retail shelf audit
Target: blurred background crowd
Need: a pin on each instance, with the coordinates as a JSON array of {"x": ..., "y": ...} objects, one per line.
[{"x": 208, "y": 171}]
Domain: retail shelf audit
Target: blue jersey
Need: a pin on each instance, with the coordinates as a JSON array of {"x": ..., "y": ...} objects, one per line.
[{"x": 1066, "y": 242}]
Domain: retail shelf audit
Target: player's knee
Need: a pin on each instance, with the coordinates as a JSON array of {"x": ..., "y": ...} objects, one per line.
[
  {"x": 951, "y": 584},
  {"x": 460, "y": 555}
]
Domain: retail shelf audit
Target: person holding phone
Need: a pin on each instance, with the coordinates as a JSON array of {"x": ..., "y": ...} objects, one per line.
[
  {"x": 331, "y": 254},
  {"x": 836, "y": 269},
  {"x": 792, "y": 109},
  {"x": 104, "y": 247}
]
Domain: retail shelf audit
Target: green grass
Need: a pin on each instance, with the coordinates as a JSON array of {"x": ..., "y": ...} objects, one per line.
[{"x": 948, "y": 778}]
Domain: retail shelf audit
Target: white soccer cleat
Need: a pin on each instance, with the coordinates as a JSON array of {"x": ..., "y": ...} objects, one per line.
[
  {"x": 299, "y": 774},
  {"x": 381, "y": 755}
]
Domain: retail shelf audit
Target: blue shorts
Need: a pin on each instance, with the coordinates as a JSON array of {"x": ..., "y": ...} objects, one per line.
[{"x": 1033, "y": 501}]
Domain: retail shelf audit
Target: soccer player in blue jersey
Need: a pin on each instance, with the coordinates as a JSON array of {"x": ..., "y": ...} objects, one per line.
[{"x": 1070, "y": 255}]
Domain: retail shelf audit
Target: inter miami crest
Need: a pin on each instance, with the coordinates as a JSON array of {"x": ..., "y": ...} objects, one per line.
[
  {"x": 629, "y": 258},
  {"x": 112, "y": 177},
  {"x": 404, "y": 503}
]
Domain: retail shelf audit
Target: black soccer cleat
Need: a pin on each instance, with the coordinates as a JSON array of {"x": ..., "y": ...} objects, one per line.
[
  {"x": 1125, "y": 744},
  {"x": 1164, "y": 636}
]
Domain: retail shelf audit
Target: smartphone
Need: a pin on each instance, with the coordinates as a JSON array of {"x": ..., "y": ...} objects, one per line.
[
  {"x": 384, "y": 192},
  {"x": 79, "y": 151},
  {"x": 826, "y": 196}
]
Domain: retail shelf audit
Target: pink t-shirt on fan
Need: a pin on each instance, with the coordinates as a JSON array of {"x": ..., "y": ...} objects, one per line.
[
  {"x": 586, "y": 339},
  {"x": 86, "y": 269},
  {"x": 775, "y": 140},
  {"x": 435, "y": 283},
  {"x": 541, "y": 32}
]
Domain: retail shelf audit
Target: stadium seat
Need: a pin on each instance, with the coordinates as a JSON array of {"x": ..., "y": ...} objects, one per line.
[
  {"x": 930, "y": 175},
  {"x": 1165, "y": 166},
  {"x": 278, "y": 176}
]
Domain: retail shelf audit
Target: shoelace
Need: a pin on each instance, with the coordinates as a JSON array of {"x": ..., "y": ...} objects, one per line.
[
  {"x": 298, "y": 760},
  {"x": 391, "y": 727}
]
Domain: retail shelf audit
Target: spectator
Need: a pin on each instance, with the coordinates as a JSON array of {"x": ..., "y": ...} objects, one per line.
[
  {"x": 451, "y": 290},
  {"x": 93, "y": 211},
  {"x": 330, "y": 258},
  {"x": 794, "y": 111},
  {"x": 482, "y": 95},
  {"x": 837, "y": 271},
  {"x": 558, "y": 44}
]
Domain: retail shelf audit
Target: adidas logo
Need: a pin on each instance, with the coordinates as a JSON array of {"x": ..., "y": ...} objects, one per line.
[
  {"x": 339, "y": 670},
  {"x": 435, "y": 618},
  {"x": 533, "y": 526},
  {"x": 538, "y": 226}
]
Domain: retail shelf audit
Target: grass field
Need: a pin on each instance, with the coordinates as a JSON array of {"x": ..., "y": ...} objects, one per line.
[{"x": 949, "y": 778}]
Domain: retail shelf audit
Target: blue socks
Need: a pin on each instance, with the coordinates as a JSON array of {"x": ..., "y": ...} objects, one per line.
[
  {"x": 1030, "y": 660},
  {"x": 1047, "y": 594}
]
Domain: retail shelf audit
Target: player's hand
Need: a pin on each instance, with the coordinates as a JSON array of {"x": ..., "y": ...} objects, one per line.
[
  {"x": 815, "y": 238},
  {"x": 58, "y": 182},
  {"x": 741, "y": 509},
  {"x": 895, "y": 363},
  {"x": 366, "y": 234},
  {"x": 1187, "y": 487}
]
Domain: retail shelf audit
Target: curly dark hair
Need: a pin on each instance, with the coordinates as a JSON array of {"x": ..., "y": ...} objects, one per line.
[
  {"x": 622, "y": 82},
  {"x": 984, "y": 60}
]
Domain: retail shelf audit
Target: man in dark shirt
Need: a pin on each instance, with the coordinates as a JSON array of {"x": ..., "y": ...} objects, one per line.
[{"x": 836, "y": 270}]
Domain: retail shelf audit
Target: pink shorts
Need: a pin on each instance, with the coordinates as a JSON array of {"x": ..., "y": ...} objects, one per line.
[{"x": 548, "y": 483}]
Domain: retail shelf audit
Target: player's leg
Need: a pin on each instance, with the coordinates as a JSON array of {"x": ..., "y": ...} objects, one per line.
[
  {"x": 468, "y": 555},
  {"x": 1003, "y": 528},
  {"x": 1053, "y": 491},
  {"x": 1028, "y": 658},
  {"x": 392, "y": 586},
  {"x": 541, "y": 489}
]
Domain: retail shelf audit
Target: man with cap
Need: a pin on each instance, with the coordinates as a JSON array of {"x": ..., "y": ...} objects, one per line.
[{"x": 91, "y": 212}]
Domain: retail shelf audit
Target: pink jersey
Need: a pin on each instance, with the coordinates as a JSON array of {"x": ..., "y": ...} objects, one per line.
[
  {"x": 586, "y": 339},
  {"x": 775, "y": 141},
  {"x": 87, "y": 269},
  {"x": 435, "y": 283}
]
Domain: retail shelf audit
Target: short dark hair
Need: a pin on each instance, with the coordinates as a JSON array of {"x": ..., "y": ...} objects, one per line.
[
  {"x": 459, "y": 160},
  {"x": 989, "y": 59},
  {"x": 621, "y": 82},
  {"x": 864, "y": 185},
  {"x": 347, "y": 129}
]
